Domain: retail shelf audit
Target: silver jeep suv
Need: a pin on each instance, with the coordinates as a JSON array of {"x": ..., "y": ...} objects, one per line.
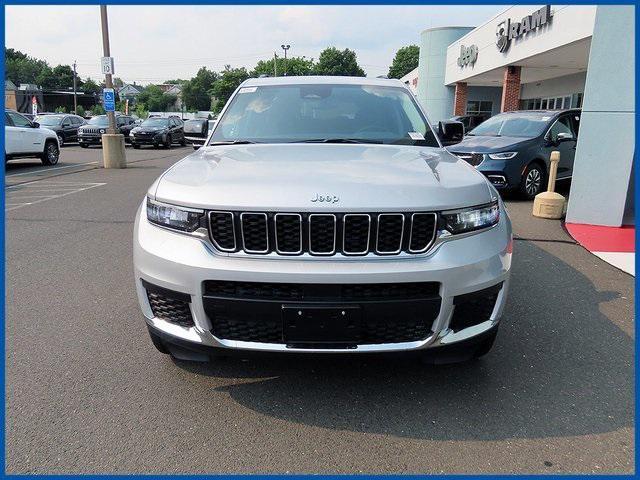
[{"x": 323, "y": 215}]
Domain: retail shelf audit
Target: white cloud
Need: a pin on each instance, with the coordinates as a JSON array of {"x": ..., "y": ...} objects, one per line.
[{"x": 156, "y": 43}]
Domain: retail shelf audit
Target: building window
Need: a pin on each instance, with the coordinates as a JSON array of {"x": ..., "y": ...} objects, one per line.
[
  {"x": 475, "y": 107},
  {"x": 552, "y": 103}
]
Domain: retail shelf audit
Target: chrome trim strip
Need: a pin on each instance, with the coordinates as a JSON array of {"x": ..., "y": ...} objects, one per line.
[
  {"x": 233, "y": 228},
  {"x": 381, "y": 252},
  {"x": 275, "y": 222},
  {"x": 344, "y": 232},
  {"x": 334, "y": 233},
  {"x": 171, "y": 205},
  {"x": 266, "y": 226},
  {"x": 433, "y": 235}
]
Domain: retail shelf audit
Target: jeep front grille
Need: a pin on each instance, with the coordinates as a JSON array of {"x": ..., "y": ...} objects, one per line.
[{"x": 322, "y": 234}]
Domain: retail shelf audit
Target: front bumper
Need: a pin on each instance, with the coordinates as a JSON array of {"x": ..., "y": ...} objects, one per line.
[
  {"x": 90, "y": 139},
  {"x": 460, "y": 266}
]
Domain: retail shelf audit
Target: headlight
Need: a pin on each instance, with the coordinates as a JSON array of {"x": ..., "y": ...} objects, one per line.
[
  {"x": 502, "y": 155},
  {"x": 102, "y": 130},
  {"x": 471, "y": 219},
  {"x": 179, "y": 218}
]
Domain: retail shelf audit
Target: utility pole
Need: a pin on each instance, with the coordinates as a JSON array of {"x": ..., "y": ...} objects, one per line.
[
  {"x": 285, "y": 48},
  {"x": 275, "y": 64},
  {"x": 107, "y": 53},
  {"x": 113, "y": 153},
  {"x": 75, "y": 95}
]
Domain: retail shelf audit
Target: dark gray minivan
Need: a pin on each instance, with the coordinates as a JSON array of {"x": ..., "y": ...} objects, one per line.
[{"x": 512, "y": 149}]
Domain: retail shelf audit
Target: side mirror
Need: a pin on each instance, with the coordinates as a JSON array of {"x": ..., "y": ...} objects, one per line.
[
  {"x": 35, "y": 125},
  {"x": 450, "y": 132},
  {"x": 563, "y": 136}
]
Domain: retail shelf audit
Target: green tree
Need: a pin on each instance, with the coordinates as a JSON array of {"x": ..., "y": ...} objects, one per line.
[
  {"x": 177, "y": 81},
  {"x": 89, "y": 86},
  {"x": 338, "y": 62},
  {"x": 97, "y": 110},
  {"x": 155, "y": 100},
  {"x": 406, "y": 59},
  {"x": 21, "y": 68},
  {"x": 141, "y": 111},
  {"x": 196, "y": 93},
  {"x": 61, "y": 110},
  {"x": 295, "y": 66},
  {"x": 80, "y": 111},
  {"x": 117, "y": 82},
  {"x": 228, "y": 81}
]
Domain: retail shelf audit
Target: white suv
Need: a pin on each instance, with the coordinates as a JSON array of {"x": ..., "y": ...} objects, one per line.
[
  {"x": 322, "y": 215},
  {"x": 24, "y": 138}
]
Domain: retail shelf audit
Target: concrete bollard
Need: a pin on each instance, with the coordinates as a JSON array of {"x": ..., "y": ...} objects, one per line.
[
  {"x": 550, "y": 204},
  {"x": 113, "y": 153}
]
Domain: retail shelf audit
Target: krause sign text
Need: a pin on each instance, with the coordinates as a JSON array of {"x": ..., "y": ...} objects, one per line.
[{"x": 508, "y": 30}]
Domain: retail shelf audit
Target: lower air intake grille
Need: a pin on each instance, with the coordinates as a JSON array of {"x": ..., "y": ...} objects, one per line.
[
  {"x": 474, "y": 308},
  {"x": 169, "y": 305}
]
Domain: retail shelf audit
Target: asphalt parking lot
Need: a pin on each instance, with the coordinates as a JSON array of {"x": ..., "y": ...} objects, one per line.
[{"x": 87, "y": 392}]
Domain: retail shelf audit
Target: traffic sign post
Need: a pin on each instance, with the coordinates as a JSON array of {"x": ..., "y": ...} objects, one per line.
[{"x": 107, "y": 65}]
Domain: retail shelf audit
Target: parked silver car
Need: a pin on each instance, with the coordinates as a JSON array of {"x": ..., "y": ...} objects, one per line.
[{"x": 323, "y": 215}]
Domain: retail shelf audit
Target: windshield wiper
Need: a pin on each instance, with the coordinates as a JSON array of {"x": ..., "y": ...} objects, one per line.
[
  {"x": 338, "y": 140},
  {"x": 232, "y": 142}
]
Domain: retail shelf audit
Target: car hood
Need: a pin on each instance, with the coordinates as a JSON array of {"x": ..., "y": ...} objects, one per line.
[
  {"x": 285, "y": 177},
  {"x": 149, "y": 130},
  {"x": 486, "y": 144}
]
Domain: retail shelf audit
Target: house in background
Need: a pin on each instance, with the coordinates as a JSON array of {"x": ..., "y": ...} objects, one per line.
[
  {"x": 10, "y": 95},
  {"x": 129, "y": 92},
  {"x": 173, "y": 89}
]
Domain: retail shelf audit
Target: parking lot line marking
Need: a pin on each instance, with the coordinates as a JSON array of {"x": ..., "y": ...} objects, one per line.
[
  {"x": 13, "y": 206},
  {"x": 52, "y": 168}
]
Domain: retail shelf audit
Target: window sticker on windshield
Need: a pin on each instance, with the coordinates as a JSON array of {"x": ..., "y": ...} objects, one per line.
[
  {"x": 248, "y": 89},
  {"x": 416, "y": 136}
]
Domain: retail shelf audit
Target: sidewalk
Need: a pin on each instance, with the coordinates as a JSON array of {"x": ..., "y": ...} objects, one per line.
[{"x": 614, "y": 245}]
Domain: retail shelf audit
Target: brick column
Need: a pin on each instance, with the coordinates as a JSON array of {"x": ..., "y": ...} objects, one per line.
[
  {"x": 511, "y": 89},
  {"x": 460, "y": 99}
]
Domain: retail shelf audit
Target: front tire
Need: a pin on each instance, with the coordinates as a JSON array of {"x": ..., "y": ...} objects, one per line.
[
  {"x": 532, "y": 181},
  {"x": 51, "y": 153},
  {"x": 169, "y": 141}
]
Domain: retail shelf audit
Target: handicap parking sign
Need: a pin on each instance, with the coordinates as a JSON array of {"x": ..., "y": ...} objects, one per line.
[{"x": 109, "y": 98}]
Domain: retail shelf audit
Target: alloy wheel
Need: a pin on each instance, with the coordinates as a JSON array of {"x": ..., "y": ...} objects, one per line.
[
  {"x": 533, "y": 182},
  {"x": 52, "y": 154}
]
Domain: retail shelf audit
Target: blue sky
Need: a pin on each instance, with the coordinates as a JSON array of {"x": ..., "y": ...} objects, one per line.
[{"x": 155, "y": 43}]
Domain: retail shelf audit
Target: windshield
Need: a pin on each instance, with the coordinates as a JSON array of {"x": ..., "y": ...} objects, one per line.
[
  {"x": 323, "y": 112},
  {"x": 155, "y": 122},
  {"x": 48, "y": 120},
  {"x": 525, "y": 124},
  {"x": 101, "y": 120}
]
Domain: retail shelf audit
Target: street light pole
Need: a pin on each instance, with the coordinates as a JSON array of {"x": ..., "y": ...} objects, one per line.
[
  {"x": 285, "y": 48},
  {"x": 107, "y": 53},
  {"x": 75, "y": 97},
  {"x": 275, "y": 64}
]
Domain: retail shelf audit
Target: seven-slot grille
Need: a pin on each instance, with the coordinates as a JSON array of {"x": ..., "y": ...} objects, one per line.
[
  {"x": 322, "y": 234},
  {"x": 474, "y": 159}
]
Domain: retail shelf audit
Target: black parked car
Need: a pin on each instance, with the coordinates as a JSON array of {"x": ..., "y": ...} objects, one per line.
[
  {"x": 158, "y": 131},
  {"x": 66, "y": 126},
  {"x": 197, "y": 131},
  {"x": 91, "y": 133},
  {"x": 513, "y": 148},
  {"x": 469, "y": 121}
]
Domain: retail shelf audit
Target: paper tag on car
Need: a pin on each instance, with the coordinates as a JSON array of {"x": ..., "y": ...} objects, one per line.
[
  {"x": 416, "y": 136},
  {"x": 247, "y": 89}
]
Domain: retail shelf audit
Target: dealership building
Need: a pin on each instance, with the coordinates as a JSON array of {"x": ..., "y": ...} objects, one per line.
[{"x": 548, "y": 57}]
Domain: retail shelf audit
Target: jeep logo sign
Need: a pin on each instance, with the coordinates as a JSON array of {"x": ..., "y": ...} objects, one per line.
[
  {"x": 508, "y": 30},
  {"x": 468, "y": 55},
  {"x": 326, "y": 198}
]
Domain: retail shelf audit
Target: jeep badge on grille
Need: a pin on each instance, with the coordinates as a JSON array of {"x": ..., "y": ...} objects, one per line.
[{"x": 326, "y": 198}]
